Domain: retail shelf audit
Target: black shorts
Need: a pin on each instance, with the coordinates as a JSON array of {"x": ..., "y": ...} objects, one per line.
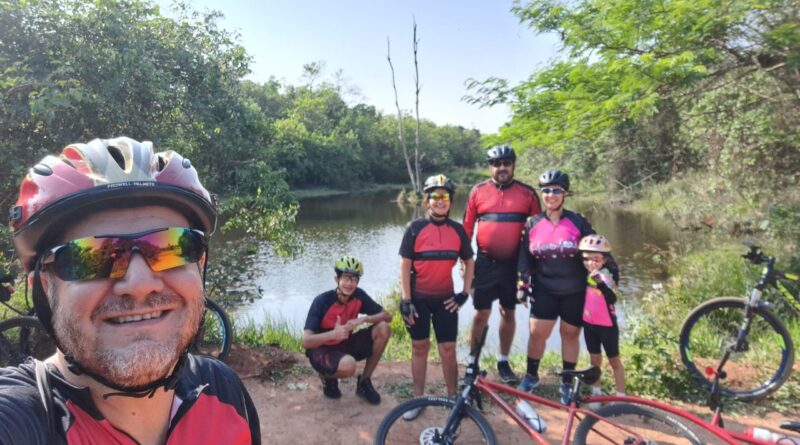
[
  {"x": 493, "y": 280},
  {"x": 607, "y": 336},
  {"x": 445, "y": 323},
  {"x": 548, "y": 306},
  {"x": 326, "y": 358}
]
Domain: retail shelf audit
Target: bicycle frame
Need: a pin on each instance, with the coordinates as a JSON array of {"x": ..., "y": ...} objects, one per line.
[{"x": 493, "y": 390}]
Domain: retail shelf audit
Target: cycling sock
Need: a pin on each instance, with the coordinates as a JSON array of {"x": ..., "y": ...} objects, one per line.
[
  {"x": 568, "y": 366},
  {"x": 533, "y": 367},
  {"x": 502, "y": 358}
]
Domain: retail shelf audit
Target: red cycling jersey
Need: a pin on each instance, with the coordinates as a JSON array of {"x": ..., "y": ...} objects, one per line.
[
  {"x": 434, "y": 247},
  {"x": 501, "y": 210}
]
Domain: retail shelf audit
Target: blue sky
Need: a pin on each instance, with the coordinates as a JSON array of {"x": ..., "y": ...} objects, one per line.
[{"x": 458, "y": 40}]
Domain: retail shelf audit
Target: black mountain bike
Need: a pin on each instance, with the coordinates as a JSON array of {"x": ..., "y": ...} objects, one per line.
[
  {"x": 754, "y": 342},
  {"x": 24, "y": 336}
]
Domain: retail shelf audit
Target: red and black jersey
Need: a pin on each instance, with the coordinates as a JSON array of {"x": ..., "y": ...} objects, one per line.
[
  {"x": 434, "y": 247},
  {"x": 326, "y": 307},
  {"x": 213, "y": 407},
  {"x": 501, "y": 211}
]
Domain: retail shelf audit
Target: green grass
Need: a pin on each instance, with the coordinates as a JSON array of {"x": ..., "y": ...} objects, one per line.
[{"x": 273, "y": 331}]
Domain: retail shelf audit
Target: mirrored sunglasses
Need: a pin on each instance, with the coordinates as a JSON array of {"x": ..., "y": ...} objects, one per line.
[
  {"x": 439, "y": 196},
  {"x": 108, "y": 256},
  {"x": 502, "y": 163},
  {"x": 552, "y": 191}
]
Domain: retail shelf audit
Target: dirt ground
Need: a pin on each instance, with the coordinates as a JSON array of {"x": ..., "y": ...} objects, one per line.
[{"x": 292, "y": 409}]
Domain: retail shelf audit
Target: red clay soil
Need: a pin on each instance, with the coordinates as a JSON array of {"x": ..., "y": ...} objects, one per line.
[{"x": 292, "y": 409}]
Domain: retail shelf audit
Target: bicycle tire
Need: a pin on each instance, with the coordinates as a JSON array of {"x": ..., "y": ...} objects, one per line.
[
  {"x": 714, "y": 325},
  {"x": 651, "y": 425},
  {"x": 23, "y": 337},
  {"x": 215, "y": 335},
  {"x": 394, "y": 430}
]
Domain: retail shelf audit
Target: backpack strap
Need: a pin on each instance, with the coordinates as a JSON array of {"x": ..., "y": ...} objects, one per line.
[{"x": 46, "y": 395}]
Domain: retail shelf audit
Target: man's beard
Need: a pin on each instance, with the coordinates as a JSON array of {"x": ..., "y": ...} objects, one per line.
[{"x": 144, "y": 360}]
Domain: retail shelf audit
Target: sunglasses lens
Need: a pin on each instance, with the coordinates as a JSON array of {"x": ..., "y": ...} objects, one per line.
[
  {"x": 108, "y": 257},
  {"x": 552, "y": 191},
  {"x": 84, "y": 259},
  {"x": 439, "y": 196}
]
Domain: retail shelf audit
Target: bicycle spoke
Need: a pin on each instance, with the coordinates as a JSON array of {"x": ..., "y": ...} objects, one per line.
[
  {"x": 754, "y": 363},
  {"x": 631, "y": 423},
  {"x": 427, "y": 427}
]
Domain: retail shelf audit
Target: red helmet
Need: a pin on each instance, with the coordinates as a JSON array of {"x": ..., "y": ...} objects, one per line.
[{"x": 104, "y": 174}]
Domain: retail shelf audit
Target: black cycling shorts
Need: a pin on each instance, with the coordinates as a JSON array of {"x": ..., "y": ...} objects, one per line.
[
  {"x": 493, "y": 280},
  {"x": 445, "y": 323},
  {"x": 326, "y": 358},
  {"x": 607, "y": 336},
  {"x": 548, "y": 306}
]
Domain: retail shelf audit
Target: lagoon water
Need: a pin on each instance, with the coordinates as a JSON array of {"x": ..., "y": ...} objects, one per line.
[{"x": 370, "y": 227}]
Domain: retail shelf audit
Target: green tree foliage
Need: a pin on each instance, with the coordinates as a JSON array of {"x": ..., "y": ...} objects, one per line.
[
  {"x": 74, "y": 70},
  {"x": 650, "y": 89}
]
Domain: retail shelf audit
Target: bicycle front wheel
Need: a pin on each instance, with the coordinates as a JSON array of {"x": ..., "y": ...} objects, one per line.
[
  {"x": 215, "y": 334},
  {"x": 23, "y": 337},
  {"x": 757, "y": 367},
  {"x": 426, "y": 428},
  {"x": 636, "y": 421}
]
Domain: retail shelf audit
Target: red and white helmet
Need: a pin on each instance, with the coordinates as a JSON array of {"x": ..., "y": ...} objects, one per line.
[
  {"x": 594, "y": 243},
  {"x": 99, "y": 175}
]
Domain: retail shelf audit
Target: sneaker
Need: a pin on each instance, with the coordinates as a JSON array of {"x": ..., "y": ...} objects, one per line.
[
  {"x": 412, "y": 413},
  {"x": 365, "y": 390},
  {"x": 506, "y": 374},
  {"x": 330, "y": 387},
  {"x": 566, "y": 393},
  {"x": 529, "y": 383}
]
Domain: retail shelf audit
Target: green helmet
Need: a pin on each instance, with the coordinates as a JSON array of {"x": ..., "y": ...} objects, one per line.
[{"x": 350, "y": 265}]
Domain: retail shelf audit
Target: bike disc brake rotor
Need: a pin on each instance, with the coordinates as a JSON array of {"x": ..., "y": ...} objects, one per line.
[{"x": 431, "y": 436}]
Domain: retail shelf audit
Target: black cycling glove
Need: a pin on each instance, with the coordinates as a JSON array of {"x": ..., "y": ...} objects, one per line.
[{"x": 460, "y": 298}]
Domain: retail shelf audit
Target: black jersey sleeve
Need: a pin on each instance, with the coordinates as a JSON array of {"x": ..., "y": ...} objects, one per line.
[
  {"x": 368, "y": 305},
  {"x": 21, "y": 410},
  {"x": 314, "y": 317},
  {"x": 465, "y": 251}
]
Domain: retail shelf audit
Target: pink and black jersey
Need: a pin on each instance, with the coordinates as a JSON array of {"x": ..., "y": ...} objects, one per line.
[
  {"x": 326, "y": 307},
  {"x": 548, "y": 253},
  {"x": 212, "y": 407},
  {"x": 434, "y": 247},
  {"x": 500, "y": 211}
]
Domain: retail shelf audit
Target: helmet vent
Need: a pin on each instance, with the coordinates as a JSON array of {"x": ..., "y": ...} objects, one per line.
[
  {"x": 161, "y": 162},
  {"x": 116, "y": 153}
]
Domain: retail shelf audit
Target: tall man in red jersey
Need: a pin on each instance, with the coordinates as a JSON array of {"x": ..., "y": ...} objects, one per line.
[{"x": 500, "y": 205}]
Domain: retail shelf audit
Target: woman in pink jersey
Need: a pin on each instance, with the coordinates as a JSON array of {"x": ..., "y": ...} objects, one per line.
[{"x": 549, "y": 266}]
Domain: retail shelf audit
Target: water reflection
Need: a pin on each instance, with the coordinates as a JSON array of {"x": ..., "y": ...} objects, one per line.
[{"x": 370, "y": 227}]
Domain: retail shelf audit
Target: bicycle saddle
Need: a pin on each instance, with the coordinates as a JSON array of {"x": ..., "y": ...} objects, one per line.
[
  {"x": 789, "y": 425},
  {"x": 588, "y": 376}
]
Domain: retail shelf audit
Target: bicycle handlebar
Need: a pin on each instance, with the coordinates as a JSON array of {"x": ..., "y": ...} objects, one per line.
[{"x": 755, "y": 255}]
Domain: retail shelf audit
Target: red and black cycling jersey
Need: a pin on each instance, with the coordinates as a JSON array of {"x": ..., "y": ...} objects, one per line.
[
  {"x": 501, "y": 211},
  {"x": 326, "y": 307},
  {"x": 213, "y": 407},
  {"x": 434, "y": 247},
  {"x": 549, "y": 255}
]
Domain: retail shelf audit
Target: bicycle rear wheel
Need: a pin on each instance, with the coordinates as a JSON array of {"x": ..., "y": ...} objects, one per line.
[
  {"x": 215, "y": 334},
  {"x": 653, "y": 426},
  {"x": 23, "y": 337},
  {"x": 755, "y": 370},
  {"x": 426, "y": 428}
]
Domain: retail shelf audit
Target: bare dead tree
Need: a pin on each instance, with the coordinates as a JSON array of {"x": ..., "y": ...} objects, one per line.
[
  {"x": 416, "y": 97},
  {"x": 411, "y": 176}
]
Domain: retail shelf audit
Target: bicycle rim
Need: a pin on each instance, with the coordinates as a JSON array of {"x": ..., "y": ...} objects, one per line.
[
  {"x": 23, "y": 337},
  {"x": 215, "y": 335},
  {"x": 426, "y": 428},
  {"x": 654, "y": 427},
  {"x": 756, "y": 369}
]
